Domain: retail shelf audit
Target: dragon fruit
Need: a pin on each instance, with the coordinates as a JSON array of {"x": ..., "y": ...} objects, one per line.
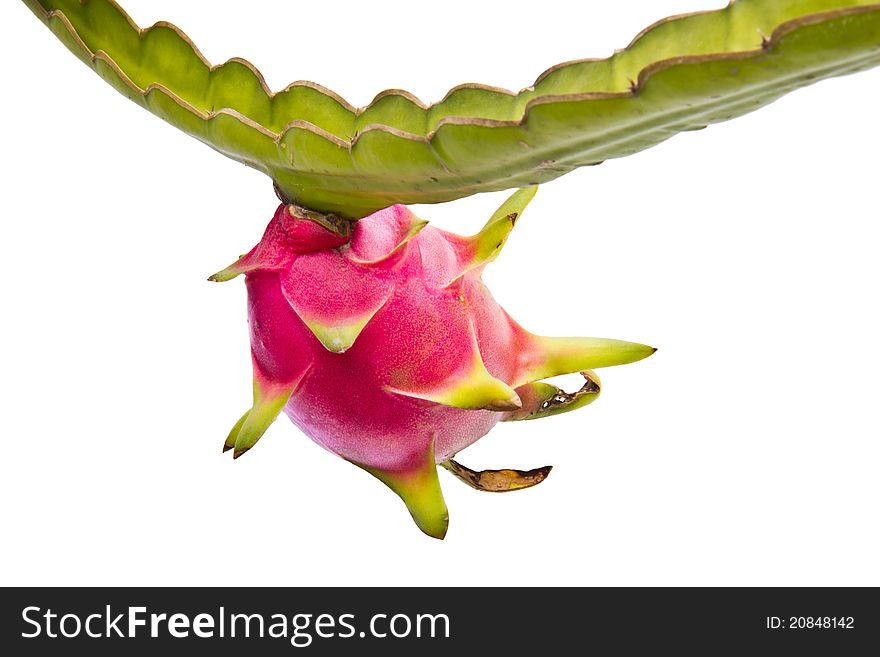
[{"x": 388, "y": 350}]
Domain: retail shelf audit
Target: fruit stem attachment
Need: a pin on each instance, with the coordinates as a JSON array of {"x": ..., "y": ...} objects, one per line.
[{"x": 334, "y": 223}]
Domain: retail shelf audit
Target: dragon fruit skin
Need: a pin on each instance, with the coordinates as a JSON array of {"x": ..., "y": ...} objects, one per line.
[{"x": 388, "y": 350}]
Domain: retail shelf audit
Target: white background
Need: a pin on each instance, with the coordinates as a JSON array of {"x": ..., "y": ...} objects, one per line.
[{"x": 744, "y": 452}]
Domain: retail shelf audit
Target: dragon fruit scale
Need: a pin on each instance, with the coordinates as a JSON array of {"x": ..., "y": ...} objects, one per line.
[{"x": 392, "y": 316}]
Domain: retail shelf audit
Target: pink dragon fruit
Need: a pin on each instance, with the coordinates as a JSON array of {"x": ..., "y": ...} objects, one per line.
[{"x": 385, "y": 347}]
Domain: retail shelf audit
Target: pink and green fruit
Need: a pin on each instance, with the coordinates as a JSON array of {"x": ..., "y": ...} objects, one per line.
[{"x": 388, "y": 350}]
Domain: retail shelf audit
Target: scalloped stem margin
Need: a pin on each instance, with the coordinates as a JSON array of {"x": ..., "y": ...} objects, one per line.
[{"x": 682, "y": 73}]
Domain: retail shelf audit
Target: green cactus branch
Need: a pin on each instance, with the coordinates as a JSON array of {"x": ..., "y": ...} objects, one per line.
[{"x": 680, "y": 74}]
